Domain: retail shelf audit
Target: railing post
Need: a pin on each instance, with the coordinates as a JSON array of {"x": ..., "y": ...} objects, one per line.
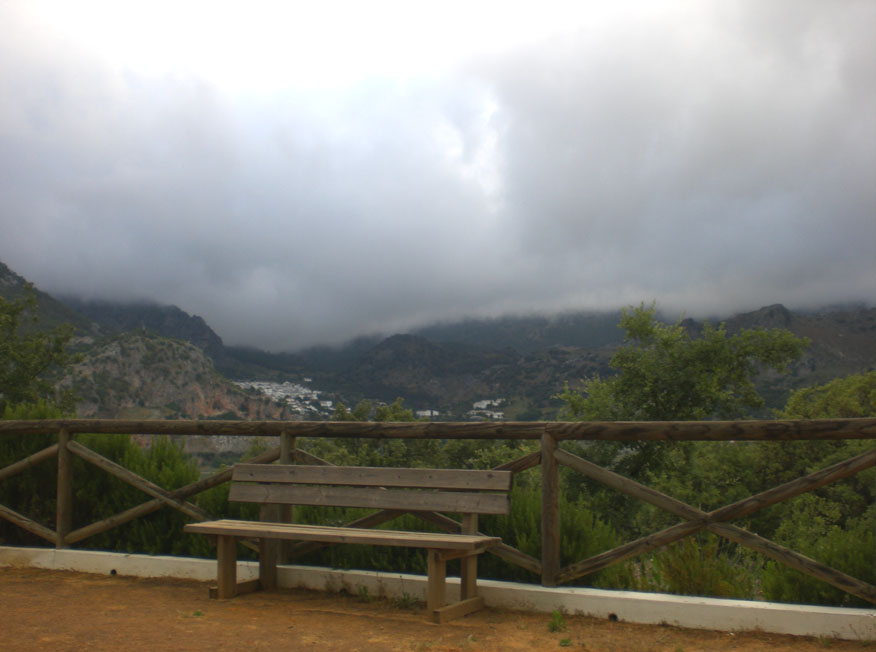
[
  {"x": 287, "y": 456},
  {"x": 64, "y": 504},
  {"x": 550, "y": 512}
]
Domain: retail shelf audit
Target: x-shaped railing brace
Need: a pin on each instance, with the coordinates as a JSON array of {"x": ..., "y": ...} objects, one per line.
[{"x": 715, "y": 521}]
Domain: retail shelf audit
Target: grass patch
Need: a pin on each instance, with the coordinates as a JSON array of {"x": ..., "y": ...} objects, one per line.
[{"x": 557, "y": 623}]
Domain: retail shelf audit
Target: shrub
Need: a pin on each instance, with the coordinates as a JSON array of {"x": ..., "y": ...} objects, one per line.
[{"x": 850, "y": 551}]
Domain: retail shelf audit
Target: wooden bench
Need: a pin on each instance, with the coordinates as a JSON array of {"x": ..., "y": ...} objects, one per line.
[{"x": 467, "y": 492}]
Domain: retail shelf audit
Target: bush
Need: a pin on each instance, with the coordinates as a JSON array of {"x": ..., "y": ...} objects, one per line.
[
  {"x": 33, "y": 492},
  {"x": 850, "y": 551},
  {"x": 97, "y": 494},
  {"x": 699, "y": 565}
]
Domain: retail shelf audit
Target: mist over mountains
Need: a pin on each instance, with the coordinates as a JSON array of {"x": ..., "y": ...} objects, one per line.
[{"x": 446, "y": 367}]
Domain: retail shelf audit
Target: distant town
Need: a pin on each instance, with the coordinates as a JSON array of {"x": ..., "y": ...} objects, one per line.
[
  {"x": 300, "y": 399},
  {"x": 306, "y": 401}
]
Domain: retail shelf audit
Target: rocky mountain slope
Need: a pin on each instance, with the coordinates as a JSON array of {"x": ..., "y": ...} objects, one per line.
[
  {"x": 448, "y": 375},
  {"x": 150, "y": 360},
  {"x": 127, "y": 370},
  {"x": 140, "y": 375}
]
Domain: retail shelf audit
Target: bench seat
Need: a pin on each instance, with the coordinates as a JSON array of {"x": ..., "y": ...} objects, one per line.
[{"x": 330, "y": 534}]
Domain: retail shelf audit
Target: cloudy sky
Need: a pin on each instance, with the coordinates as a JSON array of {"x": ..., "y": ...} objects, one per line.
[{"x": 301, "y": 173}]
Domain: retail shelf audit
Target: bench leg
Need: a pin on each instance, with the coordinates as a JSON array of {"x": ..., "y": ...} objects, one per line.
[
  {"x": 268, "y": 553},
  {"x": 226, "y": 555},
  {"x": 436, "y": 590},
  {"x": 269, "y": 550},
  {"x": 468, "y": 577},
  {"x": 468, "y": 570},
  {"x": 457, "y": 610}
]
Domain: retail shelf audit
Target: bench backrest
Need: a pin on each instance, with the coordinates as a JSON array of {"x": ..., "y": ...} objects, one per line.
[{"x": 440, "y": 490}]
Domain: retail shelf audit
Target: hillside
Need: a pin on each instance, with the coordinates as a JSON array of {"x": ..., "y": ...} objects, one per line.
[
  {"x": 127, "y": 369},
  {"x": 531, "y": 333},
  {"x": 52, "y": 312},
  {"x": 140, "y": 375},
  {"x": 482, "y": 362},
  {"x": 160, "y": 361},
  {"x": 172, "y": 322}
]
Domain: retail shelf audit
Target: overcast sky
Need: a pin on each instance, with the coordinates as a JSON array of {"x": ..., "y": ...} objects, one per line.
[{"x": 301, "y": 173}]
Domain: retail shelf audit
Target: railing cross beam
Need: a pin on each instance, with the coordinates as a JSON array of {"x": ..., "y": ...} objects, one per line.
[{"x": 715, "y": 521}]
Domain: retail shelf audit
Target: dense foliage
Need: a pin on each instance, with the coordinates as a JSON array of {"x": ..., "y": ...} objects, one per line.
[
  {"x": 667, "y": 373},
  {"x": 28, "y": 355}
]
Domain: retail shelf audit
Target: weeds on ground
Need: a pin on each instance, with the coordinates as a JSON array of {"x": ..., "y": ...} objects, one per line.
[
  {"x": 194, "y": 614},
  {"x": 363, "y": 595},
  {"x": 557, "y": 623},
  {"x": 406, "y": 601}
]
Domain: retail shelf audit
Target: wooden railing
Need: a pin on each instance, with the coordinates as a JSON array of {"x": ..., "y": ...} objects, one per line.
[{"x": 549, "y": 456}]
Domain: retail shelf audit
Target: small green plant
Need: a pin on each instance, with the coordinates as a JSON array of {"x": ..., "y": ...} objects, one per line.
[
  {"x": 557, "y": 623},
  {"x": 363, "y": 595},
  {"x": 194, "y": 614},
  {"x": 406, "y": 601},
  {"x": 566, "y": 642}
]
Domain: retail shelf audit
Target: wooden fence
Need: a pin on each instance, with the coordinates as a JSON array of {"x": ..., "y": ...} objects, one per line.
[{"x": 549, "y": 457}]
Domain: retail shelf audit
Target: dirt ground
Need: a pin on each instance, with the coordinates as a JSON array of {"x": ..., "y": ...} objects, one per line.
[{"x": 60, "y": 611}]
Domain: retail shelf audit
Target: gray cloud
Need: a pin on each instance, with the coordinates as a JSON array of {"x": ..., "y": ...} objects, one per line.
[{"x": 712, "y": 156}]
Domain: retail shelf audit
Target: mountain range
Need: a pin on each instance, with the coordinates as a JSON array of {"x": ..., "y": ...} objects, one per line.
[{"x": 150, "y": 360}]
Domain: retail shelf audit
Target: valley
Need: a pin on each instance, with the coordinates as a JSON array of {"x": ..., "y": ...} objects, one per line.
[{"x": 151, "y": 361}]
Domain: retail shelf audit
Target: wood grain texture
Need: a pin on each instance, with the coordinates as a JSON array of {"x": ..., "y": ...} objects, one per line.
[
  {"x": 436, "y": 589},
  {"x": 550, "y": 512},
  {"x": 28, "y": 524},
  {"x": 64, "y": 505},
  {"x": 441, "y": 501},
  {"x": 468, "y": 566},
  {"x": 300, "y": 532},
  {"x": 226, "y": 561},
  {"x": 363, "y": 476},
  {"x": 457, "y": 610},
  {"x": 28, "y": 462},
  {"x": 784, "y": 430}
]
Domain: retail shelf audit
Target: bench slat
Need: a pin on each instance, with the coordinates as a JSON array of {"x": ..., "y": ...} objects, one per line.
[
  {"x": 327, "y": 534},
  {"x": 473, "y": 480},
  {"x": 438, "y": 501}
]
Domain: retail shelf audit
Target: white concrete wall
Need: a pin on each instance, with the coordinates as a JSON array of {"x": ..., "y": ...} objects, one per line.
[{"x": 628, "y": 606}]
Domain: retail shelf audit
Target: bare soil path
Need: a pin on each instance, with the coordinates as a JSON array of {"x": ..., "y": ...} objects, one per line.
[{"x": 60, "y": 611}]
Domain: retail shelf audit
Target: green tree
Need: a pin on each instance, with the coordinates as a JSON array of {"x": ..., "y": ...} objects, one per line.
[
  {"x": 362, "y": 412},
  {"x": 849, "y": 397},
  {"x": 835, "y": 524},
  {"x": 395, "y": 412},
  {"x": 667, "y": 374},
  {"x": 377, "y": 452},
  {"x": 28, "y": 355}
]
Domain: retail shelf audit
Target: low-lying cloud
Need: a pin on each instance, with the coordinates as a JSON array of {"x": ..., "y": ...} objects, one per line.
[{"x": 713, "y": 156}]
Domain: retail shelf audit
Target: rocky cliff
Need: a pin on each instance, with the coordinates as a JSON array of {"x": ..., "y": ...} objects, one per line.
[{"x": 142, "y": 375}]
